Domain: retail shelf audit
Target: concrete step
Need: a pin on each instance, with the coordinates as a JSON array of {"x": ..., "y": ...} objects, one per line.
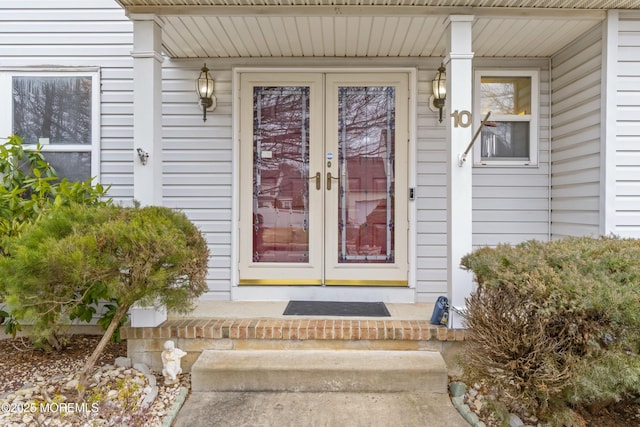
[{"x": 319, "y": 371}]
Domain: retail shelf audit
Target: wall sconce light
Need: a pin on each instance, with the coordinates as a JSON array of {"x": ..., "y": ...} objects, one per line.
[
  {"x": 436, "y": 101},
  {"x": 204, "y": 88}
]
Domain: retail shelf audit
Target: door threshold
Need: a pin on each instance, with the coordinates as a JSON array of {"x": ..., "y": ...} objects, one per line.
[{"x": 403, "y": 294}]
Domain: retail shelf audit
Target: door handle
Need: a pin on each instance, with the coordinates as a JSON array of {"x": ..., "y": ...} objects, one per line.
[
  {"x": 329, "y": 178},
  {"x": 318, "y": 178}
]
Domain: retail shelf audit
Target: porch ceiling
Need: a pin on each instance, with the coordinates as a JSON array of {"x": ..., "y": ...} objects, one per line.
[{"x": 368, "y": 28}]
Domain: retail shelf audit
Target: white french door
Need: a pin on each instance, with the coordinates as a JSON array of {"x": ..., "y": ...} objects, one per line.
[{"x": 323, "y": 179}]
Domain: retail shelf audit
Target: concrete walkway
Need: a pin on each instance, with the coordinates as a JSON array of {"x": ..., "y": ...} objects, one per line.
[{"x": 333, "y": 409}]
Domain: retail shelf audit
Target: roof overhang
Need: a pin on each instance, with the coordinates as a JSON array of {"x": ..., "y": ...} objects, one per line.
[
  {"x": 372, "y": 28},
  {"x": 480, "y": 4}
]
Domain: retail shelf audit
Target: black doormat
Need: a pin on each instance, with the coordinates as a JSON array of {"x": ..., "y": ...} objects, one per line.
[{"x": 336, "y": 308}]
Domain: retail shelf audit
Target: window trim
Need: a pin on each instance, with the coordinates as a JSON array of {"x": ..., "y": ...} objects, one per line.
[
  {"x": 532, "y": 119},
  {"x": 6, "y": 120}
]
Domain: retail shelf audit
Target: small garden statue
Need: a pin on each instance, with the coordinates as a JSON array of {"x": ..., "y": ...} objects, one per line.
[{"x": 171, "y": 362}]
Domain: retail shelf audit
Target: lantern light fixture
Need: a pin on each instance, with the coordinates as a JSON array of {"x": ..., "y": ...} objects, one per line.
[
  {"x": 205, "y": 88},
  {"x": 439, "y": 96}
]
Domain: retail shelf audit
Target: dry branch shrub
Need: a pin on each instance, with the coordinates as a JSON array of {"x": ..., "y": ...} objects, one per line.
[{"x": 556, "y": 324}]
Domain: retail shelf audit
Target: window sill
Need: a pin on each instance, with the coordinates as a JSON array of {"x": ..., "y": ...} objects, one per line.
[{"x": 506, "y": 164}]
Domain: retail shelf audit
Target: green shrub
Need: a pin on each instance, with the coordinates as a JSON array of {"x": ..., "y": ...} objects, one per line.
[
  {"x": 74, "y": 257},
  {"x": 30, "y": 187},
  {"x": 556, "y": 324}
]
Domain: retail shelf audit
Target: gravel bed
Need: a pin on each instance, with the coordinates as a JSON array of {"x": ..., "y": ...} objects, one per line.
[{"x": 39, "y": 388}]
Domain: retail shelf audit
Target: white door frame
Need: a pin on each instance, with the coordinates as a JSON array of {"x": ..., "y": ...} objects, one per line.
[
  {"x": 382, "y": 274},
  {"x": 266, "y": 293}
]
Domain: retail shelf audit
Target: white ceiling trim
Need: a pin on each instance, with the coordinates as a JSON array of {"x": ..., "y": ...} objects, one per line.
[
  {"x": 518, "y": 4},
  {"x": 359, "y": 10}
]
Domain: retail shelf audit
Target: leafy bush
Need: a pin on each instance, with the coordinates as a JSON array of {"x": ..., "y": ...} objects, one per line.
[
  {"x": 30, "y": 187},
  {"x": 63, "y": 265},
  {"x": 556, "y": 324}
]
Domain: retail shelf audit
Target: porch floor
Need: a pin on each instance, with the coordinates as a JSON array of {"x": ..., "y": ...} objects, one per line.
[{"x": 242, "y": 320}]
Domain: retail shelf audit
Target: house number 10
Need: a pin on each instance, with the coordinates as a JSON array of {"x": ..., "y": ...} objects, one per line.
[{"x": 461, "y": 118}]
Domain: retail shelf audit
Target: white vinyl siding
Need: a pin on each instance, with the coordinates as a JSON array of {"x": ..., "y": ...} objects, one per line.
[
  {"x": 431, "y": 196},
  {"x": 76, "y": 34},
  {"x": 511, "y": 204},
  {"x": 576, "y": 133},
  {"x": 627, "y": 200},
  {"x": 198, "y": 163}
]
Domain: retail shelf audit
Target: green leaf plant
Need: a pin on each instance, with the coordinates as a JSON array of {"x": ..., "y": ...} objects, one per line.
[
  {"x": 29, "y": 188},
  {"x": 554, "y": 326},
  {"x": 76, "y": 257}
]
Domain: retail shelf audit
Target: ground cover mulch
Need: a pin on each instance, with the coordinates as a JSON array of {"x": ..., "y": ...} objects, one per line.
[{"x": 33, "y": 378}]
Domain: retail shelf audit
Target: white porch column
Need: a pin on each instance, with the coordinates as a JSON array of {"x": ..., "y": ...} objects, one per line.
[
  {"x": 459, "y": 98},
  {"x": 147, "y": 131},
  {"x": 147, "y": 108},
  {"x": 609, "y": 127}
]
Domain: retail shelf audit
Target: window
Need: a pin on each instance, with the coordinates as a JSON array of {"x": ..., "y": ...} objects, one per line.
[
  {"x": 59, "y": 110},
  {"x": 510, "y": 137}
]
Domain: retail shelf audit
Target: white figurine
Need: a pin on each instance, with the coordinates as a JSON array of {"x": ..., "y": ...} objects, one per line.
[{"x": 171, "y": 362}]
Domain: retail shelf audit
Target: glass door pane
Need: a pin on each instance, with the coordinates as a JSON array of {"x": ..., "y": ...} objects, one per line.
[
  {"x": 281, "y": 174},
  {"x": 366, "y": 146},
  {"x": 366, "y": 219},
  {"x": 281, "y": 197}
]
